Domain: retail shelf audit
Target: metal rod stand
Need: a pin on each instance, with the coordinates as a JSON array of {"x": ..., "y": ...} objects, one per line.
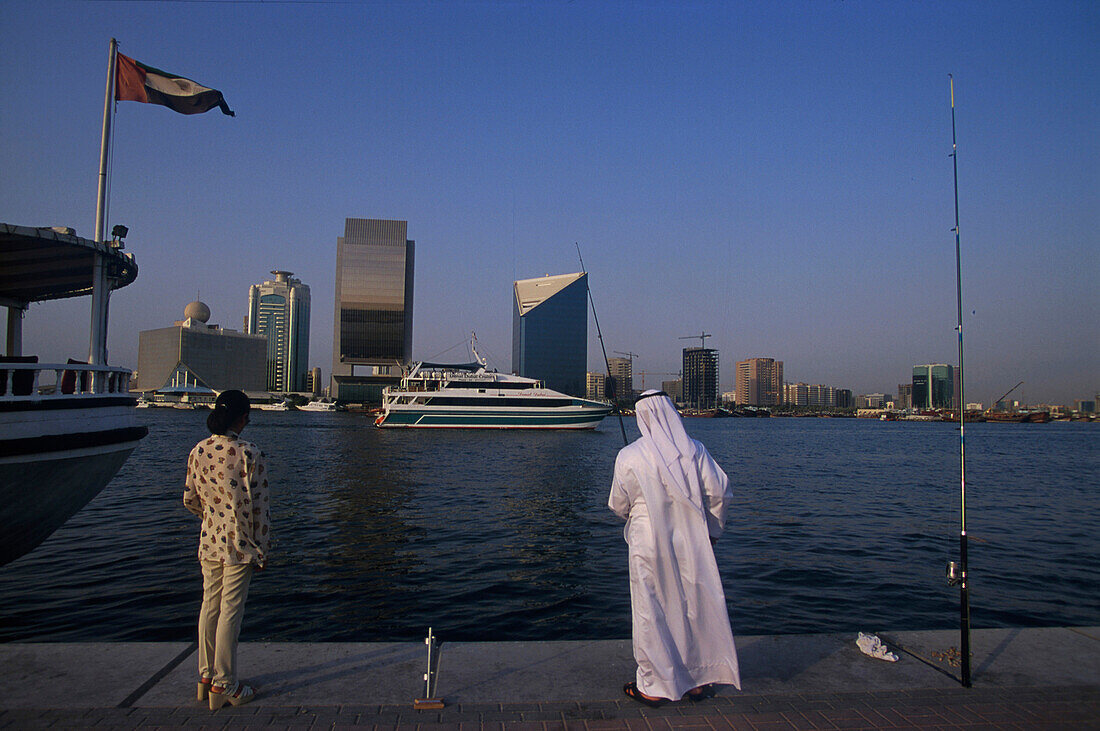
[{"x": 430, "y": 701}]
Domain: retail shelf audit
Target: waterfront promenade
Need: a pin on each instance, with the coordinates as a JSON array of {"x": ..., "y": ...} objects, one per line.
[{"x": 1022, "y": 678}]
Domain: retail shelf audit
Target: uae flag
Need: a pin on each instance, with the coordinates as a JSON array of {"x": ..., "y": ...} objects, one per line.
[{"x": 137, "y": 82}]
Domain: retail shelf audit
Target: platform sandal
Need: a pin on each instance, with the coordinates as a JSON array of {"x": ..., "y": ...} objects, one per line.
[
  {"x": 204, "y": 687},
  {"x": 237, "y": 695}
]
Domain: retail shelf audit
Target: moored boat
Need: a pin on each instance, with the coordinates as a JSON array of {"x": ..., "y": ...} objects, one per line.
[
  {"x": 1011, "y": 417},
  {"x": 318, "y": 406},
  {"x": 66, "y": 428},
  {"x": 467, "y": 395}
]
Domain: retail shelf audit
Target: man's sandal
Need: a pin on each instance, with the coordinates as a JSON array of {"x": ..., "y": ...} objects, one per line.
[
  {"x": 701, "y": 693},
  {"x": 631, "y": 690},
  {"x": 238, "y": 695}
]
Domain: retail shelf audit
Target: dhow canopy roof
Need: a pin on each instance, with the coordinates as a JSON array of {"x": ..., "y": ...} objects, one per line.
[{"x": 38, "y": 264}]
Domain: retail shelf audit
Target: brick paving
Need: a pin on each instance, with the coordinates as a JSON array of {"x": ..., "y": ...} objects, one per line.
[{"x": 1030, "y": 707}]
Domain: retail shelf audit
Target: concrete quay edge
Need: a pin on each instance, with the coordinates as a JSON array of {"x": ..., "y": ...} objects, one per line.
[{"x": 1022, "y": 677}]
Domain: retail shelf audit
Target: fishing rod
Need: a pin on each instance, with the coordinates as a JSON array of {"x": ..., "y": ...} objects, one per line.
[
  {"x": 599, "y": 334},
  {"x": 958, "y": 575}
]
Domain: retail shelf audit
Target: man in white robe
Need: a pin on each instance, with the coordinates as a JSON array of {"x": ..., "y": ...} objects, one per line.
[{"x": 674, "y": 497}]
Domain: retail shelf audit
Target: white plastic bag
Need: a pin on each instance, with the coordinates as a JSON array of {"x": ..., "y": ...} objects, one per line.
[{"x": 872, "y": 645}]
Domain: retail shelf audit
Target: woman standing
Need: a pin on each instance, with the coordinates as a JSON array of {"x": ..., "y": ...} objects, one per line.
[{"x": 227, "y": 489}]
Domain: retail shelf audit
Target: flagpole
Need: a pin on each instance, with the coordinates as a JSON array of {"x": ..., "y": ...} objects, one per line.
[
  {"x": 964, "y": 589},
  {"x": 97, "y": 345}
]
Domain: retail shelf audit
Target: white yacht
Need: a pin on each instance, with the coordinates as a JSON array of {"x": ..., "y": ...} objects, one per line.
[
  {"x": 318, "y": 406},
  {"x": 469, "y": 396}
]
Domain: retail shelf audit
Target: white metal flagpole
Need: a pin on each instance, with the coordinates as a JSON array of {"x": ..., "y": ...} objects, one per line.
[{"x": 97, "y": 345}]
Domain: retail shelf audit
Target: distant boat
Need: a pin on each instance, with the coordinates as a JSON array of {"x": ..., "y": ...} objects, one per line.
[
  {"x": 318, "y": 406},
  {"x": 1006, "y": 417},
  {"x": 281, "y": 406},
  {"x": 60, "y": 443},
  {"x": 467, "y": 396}
]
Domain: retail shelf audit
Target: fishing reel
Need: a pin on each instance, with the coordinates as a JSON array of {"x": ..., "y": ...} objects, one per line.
[{"x": 954, "y": 574}]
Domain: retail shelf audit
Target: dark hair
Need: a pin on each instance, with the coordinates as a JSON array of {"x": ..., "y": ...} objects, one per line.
[{"x": 230, "y": 406}]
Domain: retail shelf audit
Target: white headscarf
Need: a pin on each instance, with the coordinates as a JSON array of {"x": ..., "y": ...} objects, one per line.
[{"x": 670, "y": 446}]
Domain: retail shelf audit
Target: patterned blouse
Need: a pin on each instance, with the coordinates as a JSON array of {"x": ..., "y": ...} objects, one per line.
[{"x": 227, "y": 487}]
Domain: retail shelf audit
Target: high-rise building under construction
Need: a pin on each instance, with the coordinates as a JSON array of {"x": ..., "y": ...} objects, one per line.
[{"x": 700, "y": 378}]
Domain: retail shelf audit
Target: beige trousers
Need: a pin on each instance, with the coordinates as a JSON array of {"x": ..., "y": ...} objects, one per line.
[{"x": 224, "y": 591}]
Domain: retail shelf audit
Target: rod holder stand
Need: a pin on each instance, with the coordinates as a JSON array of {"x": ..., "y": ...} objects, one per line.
[{"x": 430, "y": 701}]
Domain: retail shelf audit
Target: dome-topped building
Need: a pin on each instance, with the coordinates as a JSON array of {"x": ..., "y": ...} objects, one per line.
[
  {"x": 194, "y": 353},
  {"x": 197, "y": 311}
]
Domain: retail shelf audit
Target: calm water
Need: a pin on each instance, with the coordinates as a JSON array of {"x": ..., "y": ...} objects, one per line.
[{"x": 837, "y": 525}]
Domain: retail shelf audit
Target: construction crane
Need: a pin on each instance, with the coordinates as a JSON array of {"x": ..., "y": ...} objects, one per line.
[
  {"x": 702, "y": 338},
  {"x": 1002, "y": 398},
  {"x": 632, "y": 356}
]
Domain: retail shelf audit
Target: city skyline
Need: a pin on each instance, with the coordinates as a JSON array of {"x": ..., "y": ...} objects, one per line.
[{"x": 782, "y": 180}]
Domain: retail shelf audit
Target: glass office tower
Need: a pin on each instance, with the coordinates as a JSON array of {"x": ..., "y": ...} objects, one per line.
[
  {"x": 933, "y": 386},
  {"x": 279, "y": 310},
  {"x": 374, "y": 299},
  {"x": 550, "y": 331}
]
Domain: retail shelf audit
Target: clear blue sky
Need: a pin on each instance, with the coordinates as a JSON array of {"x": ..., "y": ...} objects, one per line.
[{"x": 776, "y": 174}]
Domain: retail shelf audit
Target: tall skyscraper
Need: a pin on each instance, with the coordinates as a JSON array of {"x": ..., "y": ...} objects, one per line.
[
  {"x": 622, "y": 378},
  {"x": 933, "y": 386},
  {"x": 550, "y": 331},
  {"x": 279, "y": 311},
  {"x": 759, "y": 382},
  {"x": 700, "y": 378},
  {"x": 372, "y": 324}
]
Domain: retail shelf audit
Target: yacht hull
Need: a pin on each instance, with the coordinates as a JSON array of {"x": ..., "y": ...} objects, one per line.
[
  {"x": 491, "y": 419},
  {"x": 38, "y": 493},
  {"x": 57, "y": 452}
]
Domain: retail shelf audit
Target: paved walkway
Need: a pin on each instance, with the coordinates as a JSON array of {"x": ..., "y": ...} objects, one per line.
[{"x": 1023, "y": 678}]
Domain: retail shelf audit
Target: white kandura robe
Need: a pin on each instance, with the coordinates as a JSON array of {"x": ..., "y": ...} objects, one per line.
[{"x": 673, "y": 506}]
